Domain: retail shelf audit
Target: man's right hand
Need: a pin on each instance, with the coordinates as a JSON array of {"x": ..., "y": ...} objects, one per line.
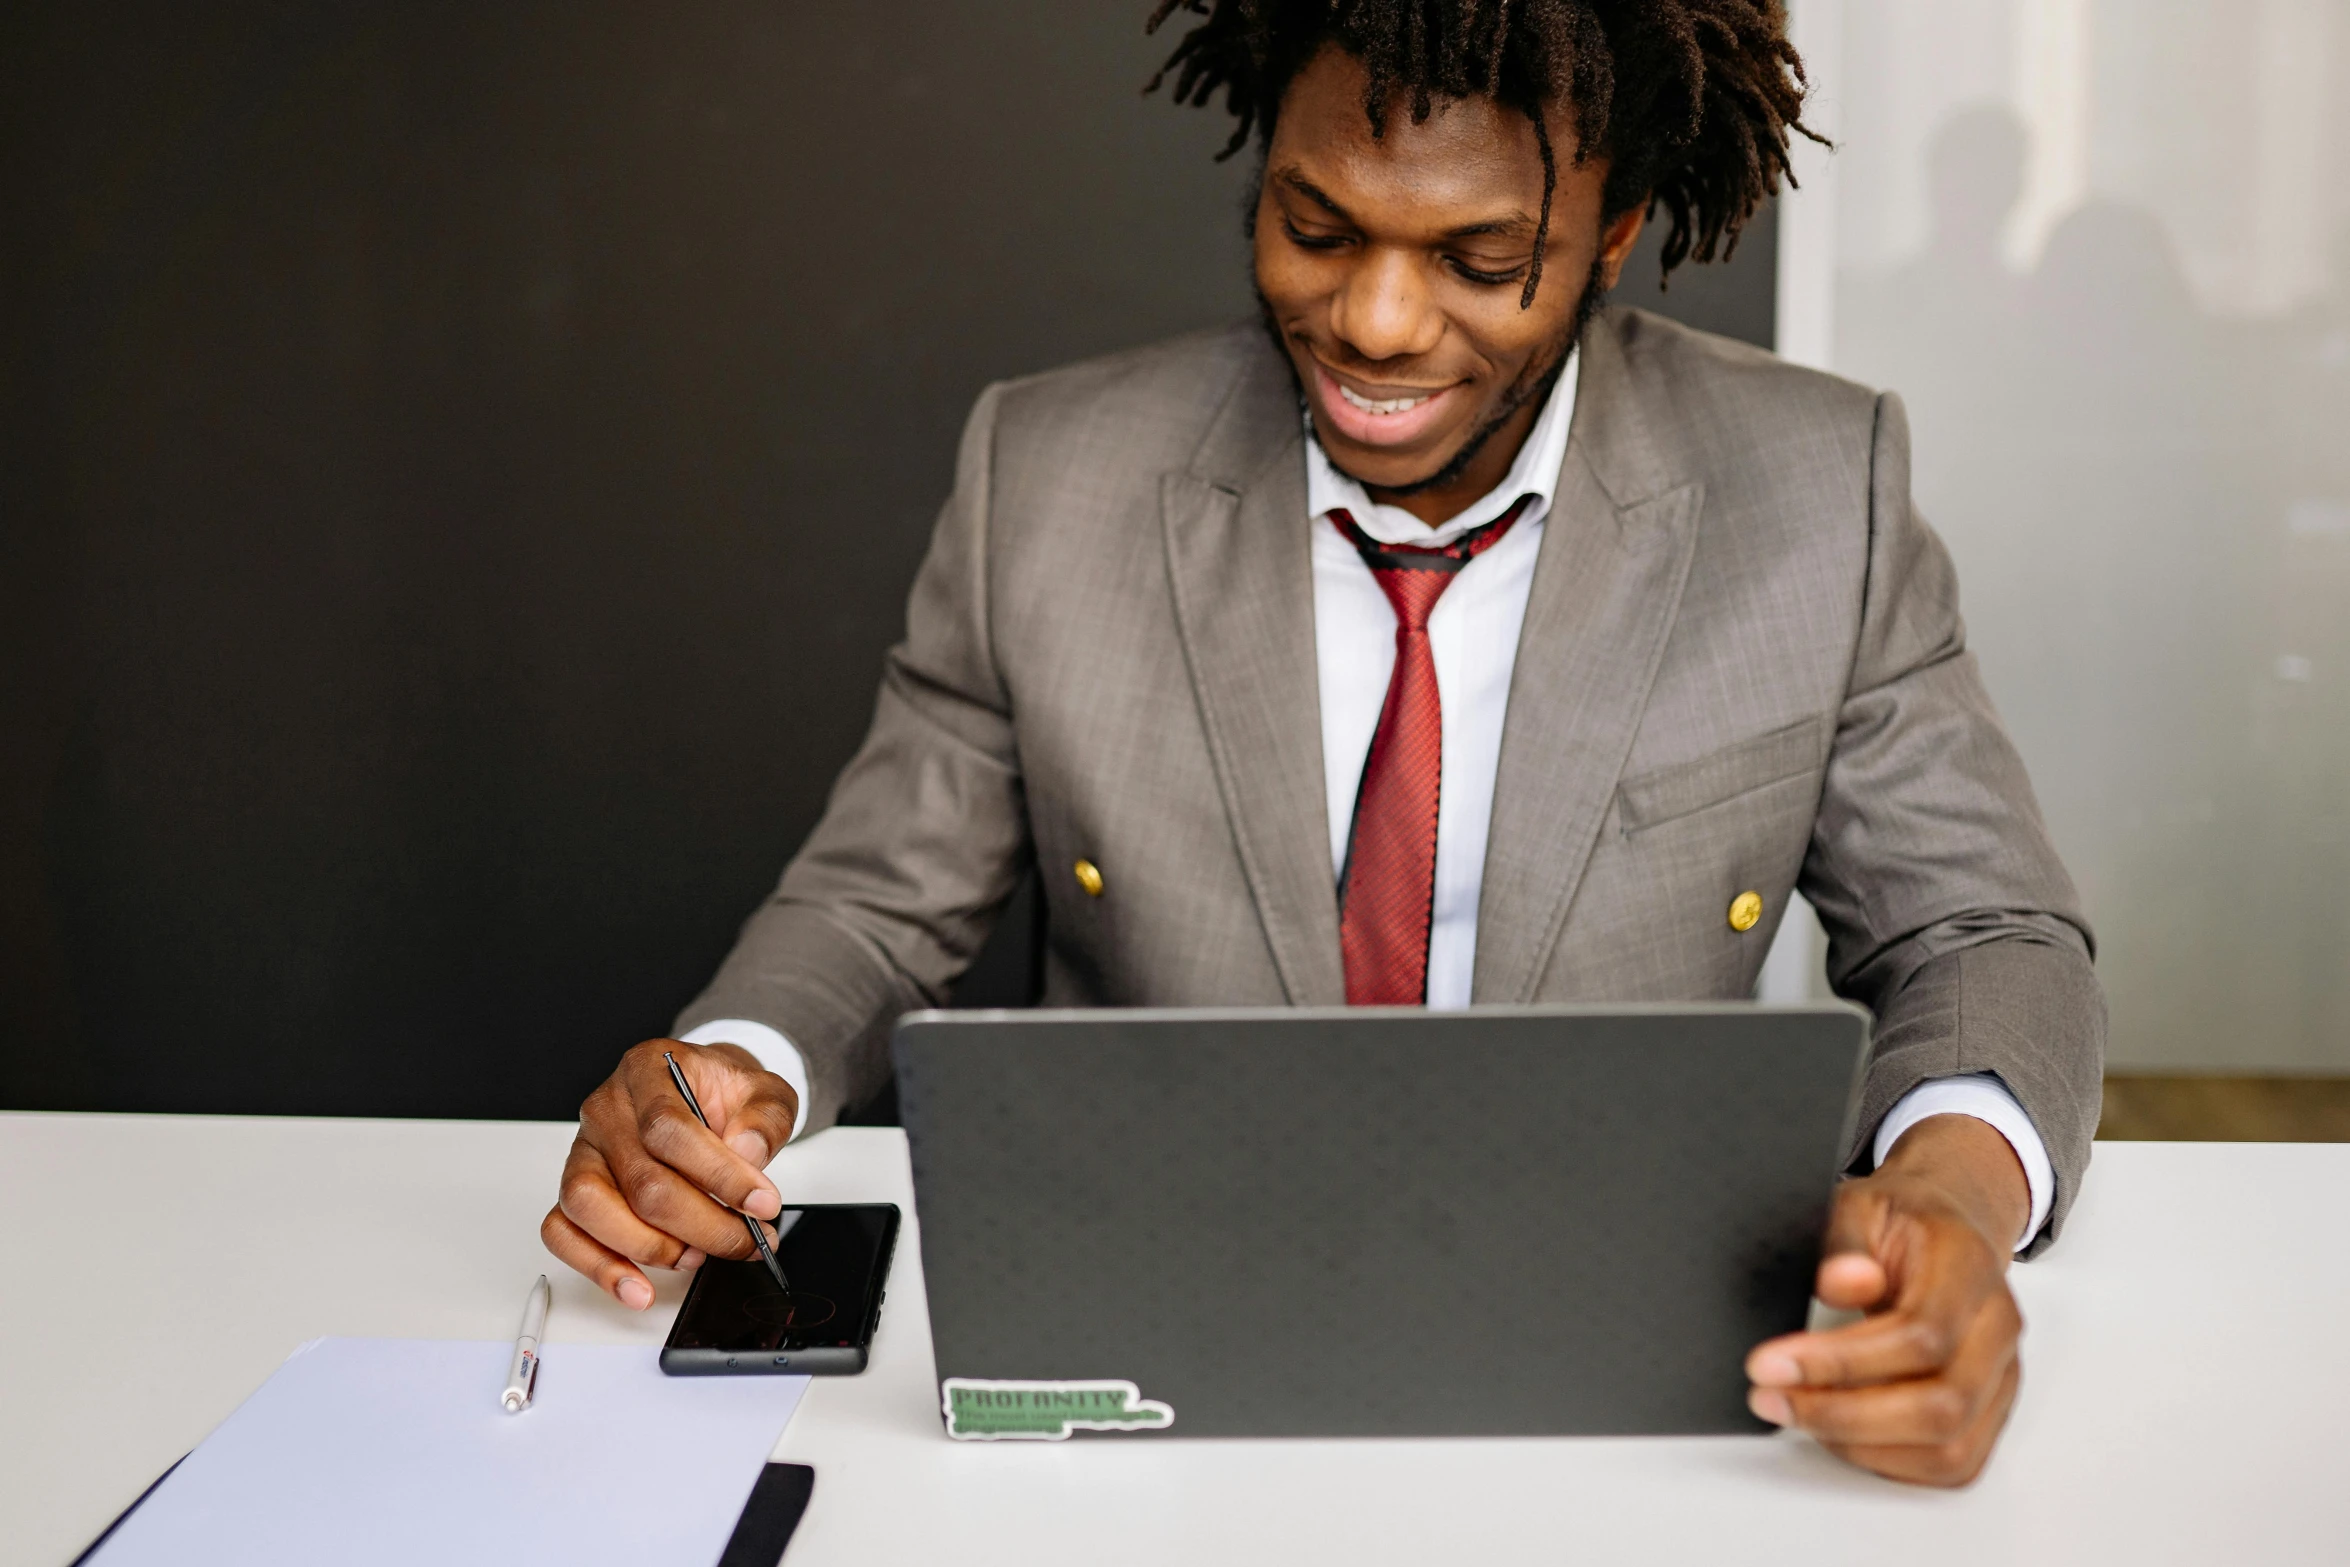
[{"x": 639, "y": 1185}]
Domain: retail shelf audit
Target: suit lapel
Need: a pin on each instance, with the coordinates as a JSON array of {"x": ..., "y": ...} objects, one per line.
[
  {"x": 1239, "y": 558},
  {"x": 1615, "y": 555}
]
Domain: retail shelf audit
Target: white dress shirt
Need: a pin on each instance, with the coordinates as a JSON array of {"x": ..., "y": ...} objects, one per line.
[{"x": 1473, "y": 635}]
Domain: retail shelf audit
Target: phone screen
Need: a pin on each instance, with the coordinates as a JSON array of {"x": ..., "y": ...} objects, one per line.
[{"x": 737, "y": 1319}]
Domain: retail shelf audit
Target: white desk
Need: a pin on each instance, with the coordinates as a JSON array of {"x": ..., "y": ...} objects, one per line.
[{"x": 2187, "y": 1394}]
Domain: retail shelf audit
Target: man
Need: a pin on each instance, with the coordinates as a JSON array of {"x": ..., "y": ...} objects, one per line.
[{"x": 1446, "y": 639}]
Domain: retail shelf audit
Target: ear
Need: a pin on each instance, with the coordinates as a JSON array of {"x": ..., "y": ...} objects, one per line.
[{"x": 1616, "y": 242}]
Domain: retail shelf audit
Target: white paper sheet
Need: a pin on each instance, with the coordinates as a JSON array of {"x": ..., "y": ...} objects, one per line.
[{"x": 366, "y": 1451}]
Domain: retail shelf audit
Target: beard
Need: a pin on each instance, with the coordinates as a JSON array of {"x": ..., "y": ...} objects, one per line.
[{"x": 1533, "y": 385}]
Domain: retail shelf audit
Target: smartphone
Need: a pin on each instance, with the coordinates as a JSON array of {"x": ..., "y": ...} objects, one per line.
[{"x": 737, "y": 1321}]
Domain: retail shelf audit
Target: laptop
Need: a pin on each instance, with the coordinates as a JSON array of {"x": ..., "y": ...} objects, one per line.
[{"x": 1506, "y": 1221}]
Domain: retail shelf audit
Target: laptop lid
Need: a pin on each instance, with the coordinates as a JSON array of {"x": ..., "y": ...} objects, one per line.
[{"x": 1321, "y": 1222}]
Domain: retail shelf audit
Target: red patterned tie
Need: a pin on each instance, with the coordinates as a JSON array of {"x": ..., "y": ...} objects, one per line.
[{"x": 1387, "y": 892}]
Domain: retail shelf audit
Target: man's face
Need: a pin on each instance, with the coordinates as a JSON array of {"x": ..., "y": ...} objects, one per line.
[{"x": 1392, "y": 269}]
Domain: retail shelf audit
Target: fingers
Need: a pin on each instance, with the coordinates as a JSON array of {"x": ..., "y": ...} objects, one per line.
[
  {"x": 731, "y": 1095},
  {"x": 1853, "y": 1281},
  {"x": 1926, "y": 1411},
  {"x": 1937, "y": 1278},
  {"x": 592, "y": 1200},
  {"x": 761, "y": 1122},
  {"x": 1853, "y": 1273},
  {"x": 1954, "y": 1461},
  {"x": 580, "y": 1251},
  {"x": 615, "y": 1189},
  {"x": 1887, "y": 1347}
]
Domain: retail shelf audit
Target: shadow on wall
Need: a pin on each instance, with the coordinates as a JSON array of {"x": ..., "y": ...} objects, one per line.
[{"x": 2150, "y": 508}]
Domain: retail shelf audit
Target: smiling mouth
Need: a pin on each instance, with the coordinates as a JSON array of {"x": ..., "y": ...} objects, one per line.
[
  {"x": 1396, "y": 421},
  {"x": 1379, "y": 405}
]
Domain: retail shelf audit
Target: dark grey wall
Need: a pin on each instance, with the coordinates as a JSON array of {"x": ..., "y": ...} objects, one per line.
[
  {"x": 461, "y": 467},
  {"x": 1737, "y": 297}
]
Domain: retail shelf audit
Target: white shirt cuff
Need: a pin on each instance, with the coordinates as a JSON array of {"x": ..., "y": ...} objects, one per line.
[
  {"x": 776, "y": 1053},
  {"x": 1983, "y": 1096}
]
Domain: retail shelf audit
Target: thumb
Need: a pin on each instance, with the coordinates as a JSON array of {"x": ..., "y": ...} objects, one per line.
[
  {"x": 1852, "y": 1275},
  {"x": 762, "y": 1120}
]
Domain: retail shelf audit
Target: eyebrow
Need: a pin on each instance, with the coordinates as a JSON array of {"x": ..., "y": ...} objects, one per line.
[
  {"x": 1514, "y": 225},
  {"x": 1313, "y": 193}
]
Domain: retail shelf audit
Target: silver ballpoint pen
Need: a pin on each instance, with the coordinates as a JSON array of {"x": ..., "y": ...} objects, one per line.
[
  {"x": 522, "y": 1373},
  {"x": 758, "y": 1235}
]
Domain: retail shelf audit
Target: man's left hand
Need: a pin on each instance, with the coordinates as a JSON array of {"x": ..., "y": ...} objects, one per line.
[{"x": 1919, "y": 1389}]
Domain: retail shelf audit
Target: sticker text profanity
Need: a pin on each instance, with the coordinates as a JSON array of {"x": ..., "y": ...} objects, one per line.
[{"x": 980, "y": 1410}]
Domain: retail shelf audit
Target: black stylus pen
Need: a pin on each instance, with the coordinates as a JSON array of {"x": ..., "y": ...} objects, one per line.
[{"x": 758, "y": 1236}]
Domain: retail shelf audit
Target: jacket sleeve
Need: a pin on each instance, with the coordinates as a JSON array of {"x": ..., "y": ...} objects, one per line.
[
  {"x": 921, "y": 842},
  {"x": 1948, "y": 912}
]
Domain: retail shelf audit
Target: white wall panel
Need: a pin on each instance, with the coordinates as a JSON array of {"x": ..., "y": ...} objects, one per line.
[{"x": 2102, "y": 248}]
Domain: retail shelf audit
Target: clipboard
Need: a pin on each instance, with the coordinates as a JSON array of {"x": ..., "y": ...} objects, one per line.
[
  {"x": 776, "y": 1504},
  {"x": 389, "y": 1451}
]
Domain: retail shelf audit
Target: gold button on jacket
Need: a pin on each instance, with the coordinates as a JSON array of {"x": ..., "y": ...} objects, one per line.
[
  {"x": 1745, "y": 911},
  {"x": 1089, "y": 877}
]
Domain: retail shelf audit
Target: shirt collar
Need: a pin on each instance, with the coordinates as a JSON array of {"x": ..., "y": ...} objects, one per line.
[{"x": 1535, "y": 473}]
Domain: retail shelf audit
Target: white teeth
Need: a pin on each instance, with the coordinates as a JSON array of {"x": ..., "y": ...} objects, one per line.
[{"x": 1391, "y": 405}]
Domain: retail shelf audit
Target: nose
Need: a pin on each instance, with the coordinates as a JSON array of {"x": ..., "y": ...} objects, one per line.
[{"x": 1384, "y": 310}]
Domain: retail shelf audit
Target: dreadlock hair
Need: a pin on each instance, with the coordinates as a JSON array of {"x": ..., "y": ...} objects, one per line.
[{"x": 1691, "y": 100}]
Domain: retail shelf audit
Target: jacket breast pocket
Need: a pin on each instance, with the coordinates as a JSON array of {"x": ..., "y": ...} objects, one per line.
[{"x": 1666, "y": 794}]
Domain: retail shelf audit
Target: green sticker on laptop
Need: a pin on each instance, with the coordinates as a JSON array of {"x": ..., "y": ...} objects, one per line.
[{"x": 981, "y": 1410}]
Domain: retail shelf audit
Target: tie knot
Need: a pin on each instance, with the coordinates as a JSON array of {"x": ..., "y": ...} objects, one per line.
[{"x": 1414, "y": 576}]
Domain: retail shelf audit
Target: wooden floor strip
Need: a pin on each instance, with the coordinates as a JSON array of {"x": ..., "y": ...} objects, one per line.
[{"x": 2143, "y": 1107}]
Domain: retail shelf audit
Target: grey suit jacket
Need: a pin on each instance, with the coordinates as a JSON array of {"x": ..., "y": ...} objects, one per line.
[{"x": 1741, "y": 667}]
